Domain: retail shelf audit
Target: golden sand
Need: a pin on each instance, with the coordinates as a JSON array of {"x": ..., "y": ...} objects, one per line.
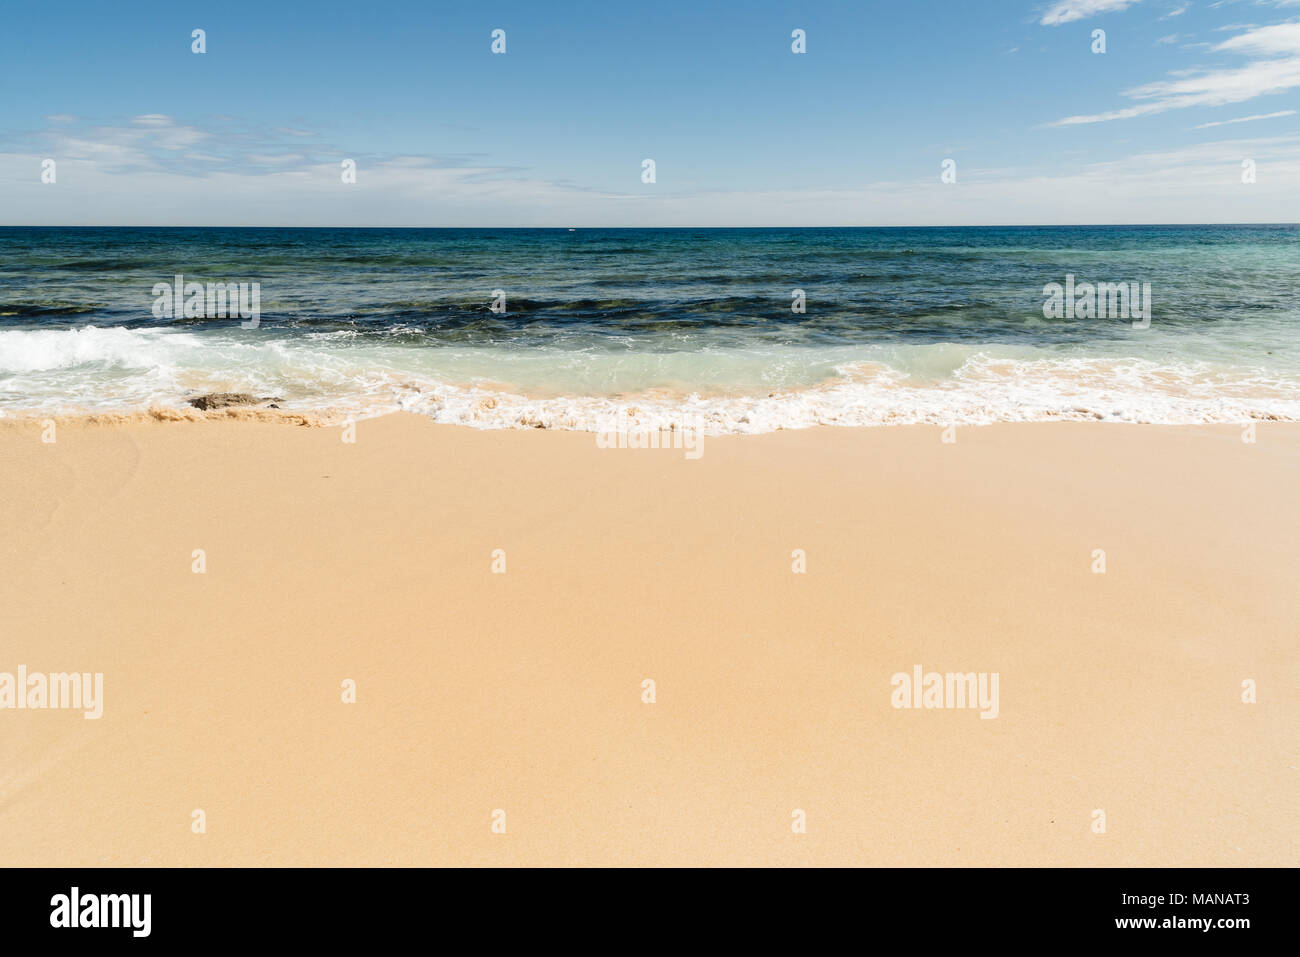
[{"x": 522, "y": 691}]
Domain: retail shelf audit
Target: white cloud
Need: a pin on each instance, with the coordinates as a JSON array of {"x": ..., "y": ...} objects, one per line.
[
  {"x": 276, "y": 159},
  {"x": 1279, "y": 39},
  {"x": 1276, "y": 68},
  {"x": 1247, "y": 119},
  {"x": 1067, "y": 11}
]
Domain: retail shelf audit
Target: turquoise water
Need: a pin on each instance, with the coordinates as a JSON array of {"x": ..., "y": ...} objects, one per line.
[{"x": 901, "y": 325}]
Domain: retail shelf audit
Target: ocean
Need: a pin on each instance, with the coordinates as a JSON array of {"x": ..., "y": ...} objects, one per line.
[{"x": 652, "y": 327}]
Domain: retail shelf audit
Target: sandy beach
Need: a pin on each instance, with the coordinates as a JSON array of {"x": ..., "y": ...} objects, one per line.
[{"x": 522, "y": 691}]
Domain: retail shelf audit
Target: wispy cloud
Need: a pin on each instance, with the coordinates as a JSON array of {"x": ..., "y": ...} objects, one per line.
[
  {"x": 1275, "y": 68},
  {"x": 148, "y": 141},
  {"x": 157, "y": 142},
  {"x": 1247, "y": 119},
  {"x": 1281, "y": 38},
  {"x": 1067, "y": 11},
  {"x": 1192, "y": 184}
]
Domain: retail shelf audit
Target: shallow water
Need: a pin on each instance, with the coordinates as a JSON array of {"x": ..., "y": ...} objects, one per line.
[{"x": 662, "y": 325}]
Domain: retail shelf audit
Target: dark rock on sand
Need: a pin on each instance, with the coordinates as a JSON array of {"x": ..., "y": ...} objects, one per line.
[{"x": 220, "y": 400}]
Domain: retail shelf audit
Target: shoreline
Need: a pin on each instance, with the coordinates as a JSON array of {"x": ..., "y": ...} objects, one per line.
[
  {"x": 327, "y": 418},
  {"x": 522, "y": 691}
]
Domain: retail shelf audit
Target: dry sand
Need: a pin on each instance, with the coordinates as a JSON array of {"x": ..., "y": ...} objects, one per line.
[{"x": 522, "y": 691}]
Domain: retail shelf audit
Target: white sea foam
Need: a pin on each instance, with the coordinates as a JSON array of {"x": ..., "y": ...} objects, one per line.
[{"x": 726, "y": 390}]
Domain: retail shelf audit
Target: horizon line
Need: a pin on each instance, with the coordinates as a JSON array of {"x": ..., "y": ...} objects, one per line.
[{"x": 565, "y": 228}]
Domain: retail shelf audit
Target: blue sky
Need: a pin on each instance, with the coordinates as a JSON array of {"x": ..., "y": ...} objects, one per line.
[{"x": 742, "y": 130}]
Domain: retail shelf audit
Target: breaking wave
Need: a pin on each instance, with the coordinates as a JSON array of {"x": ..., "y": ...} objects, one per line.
[{"x": 721, "y": 388}]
